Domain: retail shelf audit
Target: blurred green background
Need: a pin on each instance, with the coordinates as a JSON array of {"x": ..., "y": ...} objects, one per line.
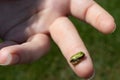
[{"x": 104, "y": 51}]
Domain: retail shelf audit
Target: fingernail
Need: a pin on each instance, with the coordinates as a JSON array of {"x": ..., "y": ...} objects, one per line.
[
  {"x": 114, "y": 29},
  {"x": 5, "y": 58},
  {"x": 15, "y": 59},
  {"x": 91, "y": 77}
]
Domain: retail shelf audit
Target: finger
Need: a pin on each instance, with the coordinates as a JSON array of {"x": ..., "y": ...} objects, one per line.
[
  {"x": 68, "y": 40},
  {"x": 26, "y": 52},
  {"x": 93, "y": 14},
  {"x": 2, "y": 45}
]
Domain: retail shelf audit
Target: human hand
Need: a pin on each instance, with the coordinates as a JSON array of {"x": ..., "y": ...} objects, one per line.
[{"x": 26, "y": 26}]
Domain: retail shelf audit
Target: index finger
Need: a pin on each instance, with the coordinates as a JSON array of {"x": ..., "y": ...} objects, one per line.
[{"x": 66, "y": 37}]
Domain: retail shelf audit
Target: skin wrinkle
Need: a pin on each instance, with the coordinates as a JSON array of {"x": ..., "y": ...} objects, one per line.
[
  {"x": 81, "y": 13},
  {"x": 87, "y": 9}
]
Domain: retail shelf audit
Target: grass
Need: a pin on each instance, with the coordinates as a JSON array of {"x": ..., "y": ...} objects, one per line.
[{"x": 104, "y": 51}]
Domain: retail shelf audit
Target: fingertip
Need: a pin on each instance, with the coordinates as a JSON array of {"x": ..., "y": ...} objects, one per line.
[
  {"x": 100, "y": 19},
  {"x": 84, "y": 70},
  {"x": 107, "y": 25},
  {"x": 5, "y": 59}
]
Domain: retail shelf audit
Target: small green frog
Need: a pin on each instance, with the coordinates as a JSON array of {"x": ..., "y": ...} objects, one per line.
[{"x": 75, "y": 59}]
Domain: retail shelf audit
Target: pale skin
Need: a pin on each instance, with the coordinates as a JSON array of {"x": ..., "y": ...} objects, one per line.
[{"x": 27, "y": 25}]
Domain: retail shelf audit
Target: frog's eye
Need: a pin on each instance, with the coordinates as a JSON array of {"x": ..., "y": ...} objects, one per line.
[{"x": 75, "y": 59}]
